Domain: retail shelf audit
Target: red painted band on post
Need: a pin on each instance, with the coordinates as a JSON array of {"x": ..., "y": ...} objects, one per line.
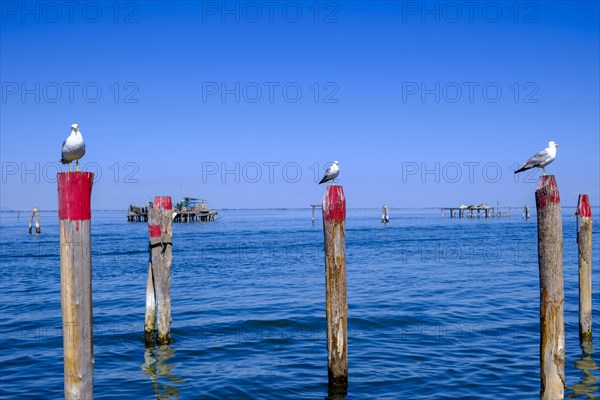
[
  {"x": 547, "y": 191},
  {"x": 583, "y": 206},
  {"x": 334, "y": 204},
  {"x": 74, "y": 195},
  {"x": 154, "y": 230},
  {"x": 163, "y": 203}
]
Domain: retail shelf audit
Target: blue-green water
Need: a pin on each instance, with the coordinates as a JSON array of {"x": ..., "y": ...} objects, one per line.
[{"x": 438, "y": 308}]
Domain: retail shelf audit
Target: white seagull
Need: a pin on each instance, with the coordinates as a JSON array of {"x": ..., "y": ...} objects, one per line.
[
  {"x": 331, "y": 173},
  {"x": 541, "y": 159},
  {"x": 73, "y": 148}
]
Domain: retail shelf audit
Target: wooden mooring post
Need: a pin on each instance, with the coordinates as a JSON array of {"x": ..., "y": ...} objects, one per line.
[
  {"x": 550, "y": 258},
  {"x": 334, "y": 227},
  {"x": 35, "y": 213},
  {"x": 158, "y": 291},
  {"x": 74, "y": 215},
  {"x": 584, "y": 244},
  {"x": 526, "y": 213},
  {"x": 385, "y": 215}
]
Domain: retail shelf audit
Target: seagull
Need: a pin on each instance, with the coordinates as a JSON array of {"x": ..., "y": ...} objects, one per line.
[
  {"x": 331, "y": 173},
  {"x": 73, "y": 148},
  {"x": 541, "y": 159}
]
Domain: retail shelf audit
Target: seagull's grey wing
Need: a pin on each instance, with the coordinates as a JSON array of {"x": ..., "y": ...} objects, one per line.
[
  {"x": 62, "y": 152},
  {"x": 328, "y": 171},
  {"x": 537, "y": 159},
  {"x": 326, "y": 177}
]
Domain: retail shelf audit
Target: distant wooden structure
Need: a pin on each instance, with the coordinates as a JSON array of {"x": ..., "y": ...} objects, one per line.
[
  {"x": 190, "y": 209},
  {"x": 526, "y": 213},
  {"x": 477, "y": 211},
  {"x": 385, "y": 215},
  {"x": 194, "y": 216},
  {"x": 462, "y": 211},
  {"x": 35, "y": 213},
  {"x": 137, "y": 214}
]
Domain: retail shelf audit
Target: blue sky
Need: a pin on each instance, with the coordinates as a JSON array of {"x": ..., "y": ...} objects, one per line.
[{"x": 245, "y": 103}]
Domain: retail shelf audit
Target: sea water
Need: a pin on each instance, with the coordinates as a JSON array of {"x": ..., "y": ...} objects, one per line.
[{"x": 438, "y": 307}]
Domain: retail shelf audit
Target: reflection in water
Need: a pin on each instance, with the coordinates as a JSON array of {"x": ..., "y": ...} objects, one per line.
[
  {"x": 156, "y": 367},
  {"x": 336, "y": 393},
  {"x": 587, "y": 385},
  {"x": 335, "y": 396}
]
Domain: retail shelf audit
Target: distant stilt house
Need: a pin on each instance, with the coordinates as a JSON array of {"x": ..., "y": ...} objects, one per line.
[
  {"x": 189, "y": 209},
  {"x": 138, "y": 214}
]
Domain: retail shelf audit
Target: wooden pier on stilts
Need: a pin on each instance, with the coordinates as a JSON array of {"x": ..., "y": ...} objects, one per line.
[
  {"x": 477, "y": 211},
  {"x": 482, "y": 210},
  {"x": 194, "y": 216},
  {"x": 137, "y": 214},
  {"x": 188, "y": 210}
]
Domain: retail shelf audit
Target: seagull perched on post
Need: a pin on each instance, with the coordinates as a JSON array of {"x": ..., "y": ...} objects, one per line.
[
  {"x": 73, "y": 148},
  {"x": 541, "y": 159},
  {"x": 331, "y": 173}
]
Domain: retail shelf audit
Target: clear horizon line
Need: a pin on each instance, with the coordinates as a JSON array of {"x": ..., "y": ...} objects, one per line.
[{"x": 297, "y": 208}]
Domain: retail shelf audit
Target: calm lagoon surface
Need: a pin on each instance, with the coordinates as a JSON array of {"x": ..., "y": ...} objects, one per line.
[{"x": 438, "y": 308}]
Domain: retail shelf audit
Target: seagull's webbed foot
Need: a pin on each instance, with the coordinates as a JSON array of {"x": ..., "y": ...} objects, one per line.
[
  {"x": 70, "y": 170},
  {"x": 76, "y": 165},
  {"x": 543, "y": 171}
]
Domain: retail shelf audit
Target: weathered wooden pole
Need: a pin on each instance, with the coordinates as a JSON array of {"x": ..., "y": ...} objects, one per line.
[
  {"x": 385, "y": 215},
  {"x": 150, "y": 318},
  {"x": 334, "y": 227},
  {"x": 35, "y": 213},
  {"x": 584, "y": 244},
  {"x": 37, "y": 221},
  {"x": 74, "y": 215},
  {"x": 550, "y": 258},
  {"x": 160, "y": 229},
  {"x": 526, "y": 213}
]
